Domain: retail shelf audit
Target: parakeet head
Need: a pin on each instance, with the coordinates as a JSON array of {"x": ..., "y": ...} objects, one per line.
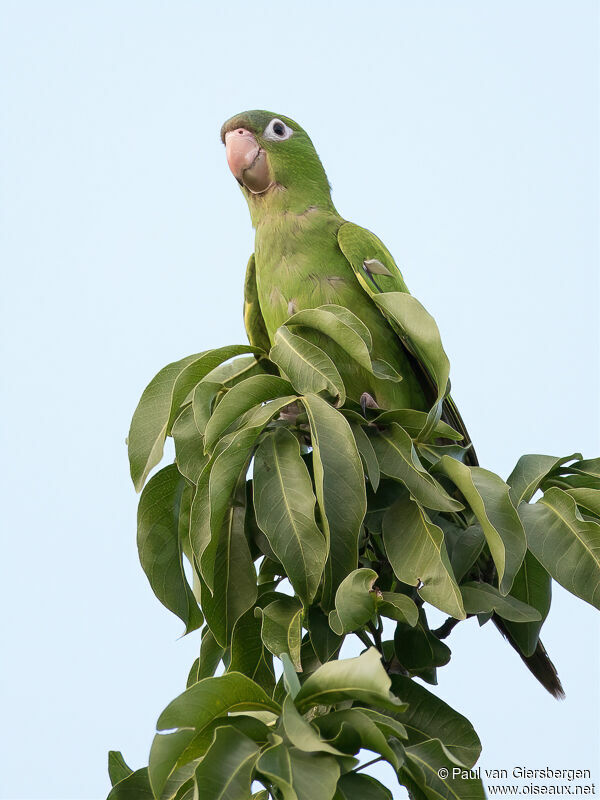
[{"x": 275, "y": 163}]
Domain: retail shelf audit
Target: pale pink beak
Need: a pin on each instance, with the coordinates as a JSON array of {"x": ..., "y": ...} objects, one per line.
[{"x": 247, "y": 161}]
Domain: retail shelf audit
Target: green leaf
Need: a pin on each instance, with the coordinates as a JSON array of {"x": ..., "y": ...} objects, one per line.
[
  {"x": 417, "y": 648},
  {"x": 340, "y": 488},
  {"x": 388, "y": 725},
  {"x": 325, "y": 642},
  {"x": 282, "y": 628},
  {"x": 488, "y": 496},
  {"x": 300, "y": 775},
  {"x": 464, "y": 547},
  {"x": 533, "y": 586},
  {"x": 425, "y": 762},
  {"x": 529, "y": 472},
  {"x": 371, "y": 737},
  {"x": 482, "y": 598},
  {"x": 417, "y": 553},
  {"x": 135, "y": 786},
  {"x": 225, "y": 773},
  {"x": 248, "y": 654},
  {"x": 413, "y": 423},
  {"x": 428, "y": 717},
  {"x": 203, "y": 399},
  {"x": 420, "y": 335},
  {"x": 211, "y": 654},
  {"x": 354, "y": 786},
  {"x": 307, "y": 367},
  {"x": 398, "y": 458},
  {"x": 289, "y": 680},
  {"x": 586, "y": 499},
  {"x": 217, "y": 482},
  {"x": 285, "y": 511},
  {"x": 395, "y": 605},
  {"x": 159, "y": 546},
  {"x": 341, "y": 326},
  {"x": 231, "y": 373},
  {"x": 189, "y": 445},
  {"x": 367, "y": 454},
  {"x": 234, "y": 589},
  {"x": 590, "y": 466},
  {"x": 159, "y": 406},
  {"x": 117, "y": 768},
  {"x": 301, "y": 733},
  {"x": 355, "y": 601},
  {"x": 567, "y": 546},
  {"x": 243, "y": 397},
  {"x": 362, "y": 678},
  {"x": 201, "y": 703}
]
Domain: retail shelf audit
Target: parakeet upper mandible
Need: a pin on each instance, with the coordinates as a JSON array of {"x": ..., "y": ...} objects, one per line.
[{"x": 306, "y": 256}]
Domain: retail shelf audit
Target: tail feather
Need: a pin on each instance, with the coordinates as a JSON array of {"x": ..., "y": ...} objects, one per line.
[{"x": 539, "y": 663}]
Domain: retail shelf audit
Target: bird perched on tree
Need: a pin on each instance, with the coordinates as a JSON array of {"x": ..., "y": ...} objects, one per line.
[{"x": 306, "y": 256}]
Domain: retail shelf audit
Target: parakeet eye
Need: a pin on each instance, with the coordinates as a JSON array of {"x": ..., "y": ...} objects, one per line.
[{"x": 277, "y": 131}]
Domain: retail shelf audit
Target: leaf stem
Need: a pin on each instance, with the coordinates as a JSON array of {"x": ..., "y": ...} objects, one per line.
[
  {"x": 364, "y": 638},
  {"x": 446, "y": 628},
  {"x": 368, "y": 764}
]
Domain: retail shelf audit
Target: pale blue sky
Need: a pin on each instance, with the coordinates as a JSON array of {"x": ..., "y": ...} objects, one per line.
[{"x": 463, "y": 133}]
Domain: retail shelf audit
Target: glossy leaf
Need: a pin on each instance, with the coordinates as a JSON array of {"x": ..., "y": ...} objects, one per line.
[
  {"x": 248, "y": 653},
  {"x": 284, "y": 502},
  {"x": 225, "y": 773},
  {"x": 488, "y": 496},
  {"x": 243, "y": 397},
  {"x": 117, "y": 768},
  {"x": 529, "y": 473},
  {"x": 371, "y": 737},
  {"x": 159, "y": 546},
  {"x": 413, "y": 423},
  {"x": 211, "y": 654},
  {"x": 341, "y": 326},
  {"x": 417, "y": 553},
  {"x": 400, "y": 607},
  {"x": 355, "y": 601},
  {"x": 282, "y": 628},
  {"x": 483, "y": 598},
  {"x": 398, "y": 458},
  {"x": 135, "y": 786},
  {"x": 201, "y": 703},
  {"x": 567, "y": 546},
  {"x": 357, "y": 786},
  {"x": 367, "y": 454},
  {"x": 464, "y": 547},
  {"x": 299, "y": 775},
  {"x": 340, "y": 488},
  {"x": 417, "y": 648},
  {"x": 301, "y": 733},
  {"x": 428, "y": 717},
  {"x": 426, "y": 762},
  {"x": 306, "y": 366},
  {"x": 362, "y": 678},
  {"x": 588, "y": 500},
  {"x": 159, "y": 406},
  {"x": 325, "y": 642},
  {"x": 189, "y": 445}
]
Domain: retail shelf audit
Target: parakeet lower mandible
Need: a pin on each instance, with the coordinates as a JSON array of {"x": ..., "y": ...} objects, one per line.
[{"x": 306, "y": 256}]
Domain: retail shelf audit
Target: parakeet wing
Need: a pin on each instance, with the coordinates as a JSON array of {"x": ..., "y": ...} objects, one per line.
[{"x": 377, "y": 272}]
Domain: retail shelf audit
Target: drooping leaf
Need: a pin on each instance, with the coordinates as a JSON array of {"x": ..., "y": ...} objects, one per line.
[
  {"x": 299, "y": 775},
  {"x": 203, "y": 400},
  {"x": 306, "y": 366},
  {"x": 340, "y": 488},
  {"x": 417, "y": 648},
  {"x": 325, "y": 642},
  {"x": 282, "y": 628},
  {"x": 355, "y": 601},
  {"x": 588, "y": 466},
  {"x": 362, "y": 678},
  {"x": 428, "y": 717},
  {"x": 234, "y": 588},
  {"x": 420, "y": 335},
  {"x": 243, "y": 397},
  {"x": 117, "y": 768},
  {"x": 533, "y": 586},
  {"x": 587, "y": 499},
  {"x": 417, "y": 553},
  {"x": 284, "y": 502},
  {"x": 398, "y": 459},
  {"x": 482, "y": 598},
  {"x": 301, "y": 733},
  {"x": 488, "y": 496},
  {"x": 211, "y": 654},
  {"x": 567, "y": 546},
  {"x": 429, "y": 766},
  {"x": 248, "y": 653},
  {"x": 371, "y": 737},
  {"x": 367, "y": 454},
  {"x": 159, "y": 546},
  {"x": 464, "y": 547},
  {"x": 213, "y": 697},
  {"x": 529, "y": 473},
  {"x": 413, "y": 423},
  {"x": 225, "y": 773},
  {"x": 189, "y": 445},
  {"x": 159, "y": 406},
  {"x": 341, "y": 326}
]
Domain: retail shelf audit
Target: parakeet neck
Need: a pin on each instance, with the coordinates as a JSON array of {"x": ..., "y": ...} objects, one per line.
[{"x": 279, "y": 201}]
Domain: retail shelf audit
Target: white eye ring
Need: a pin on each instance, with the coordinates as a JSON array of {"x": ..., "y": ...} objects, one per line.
[{"x": 277, "y": 131}]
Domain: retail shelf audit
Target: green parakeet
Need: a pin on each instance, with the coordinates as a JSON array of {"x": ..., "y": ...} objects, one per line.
[{"x": 306, "y": 255}]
